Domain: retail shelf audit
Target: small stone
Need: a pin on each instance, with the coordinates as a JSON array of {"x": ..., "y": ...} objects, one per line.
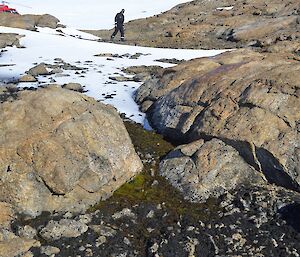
[
  {"x": 100, "y": 241},
  {"x": 150, "y": 214},
  {"x": 126, "y": 241},
  {"x": 81, "y": 248},
  {"x": 49, "y": 250},
  {"x": 124, "y": 213},
  {"x": 154, "y": 248},
  {"x": 86, "y": 218}
]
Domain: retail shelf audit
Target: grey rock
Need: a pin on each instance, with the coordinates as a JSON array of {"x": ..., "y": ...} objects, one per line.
[
  {"x": 73, "y": 86},
  {"x": 104, "y": 230},
  {"x": 63, "y": 228},
  {"x": 124, "y": 213},
  {"x": 27, "y": 232},
  {"x": 212, "y": 170},
  {"x": 49, "y": 250}
]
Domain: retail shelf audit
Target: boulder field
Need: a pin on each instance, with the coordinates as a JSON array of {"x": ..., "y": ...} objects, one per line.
[
  {"x": 61, "y": 151},
  {"x": 234, "y": 120}
]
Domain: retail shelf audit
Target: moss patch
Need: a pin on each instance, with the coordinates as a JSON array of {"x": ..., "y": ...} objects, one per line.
[{"x": 151, "y": 188}]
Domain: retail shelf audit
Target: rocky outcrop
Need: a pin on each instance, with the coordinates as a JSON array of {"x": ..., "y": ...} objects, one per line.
[
  {"x": 203, "y": 170},
  {"x": 250, "y": 101},
  {"x": 61, "y": 150},
  {"x": 28, "y": 21},
  {"x": 9, "y": 39},
  {"x": 218, "y": 24}
]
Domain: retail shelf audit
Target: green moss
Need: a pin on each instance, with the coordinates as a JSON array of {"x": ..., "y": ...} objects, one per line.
[{"x": 142, "y": 188}]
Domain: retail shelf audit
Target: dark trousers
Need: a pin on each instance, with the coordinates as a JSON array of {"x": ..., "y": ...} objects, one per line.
[{"x": 117, "y": 29}]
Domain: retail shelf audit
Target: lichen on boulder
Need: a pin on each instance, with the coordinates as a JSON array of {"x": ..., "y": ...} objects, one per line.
[{"x": 62, "y": 151}]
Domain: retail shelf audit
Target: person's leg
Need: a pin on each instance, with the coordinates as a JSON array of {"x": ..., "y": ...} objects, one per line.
[
  {"x": 122, "y": 33},
  {"x": 115, "y": 33}
]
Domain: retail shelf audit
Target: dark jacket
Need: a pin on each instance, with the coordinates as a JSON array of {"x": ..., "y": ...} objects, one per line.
[{"x": 119, "y": 19}]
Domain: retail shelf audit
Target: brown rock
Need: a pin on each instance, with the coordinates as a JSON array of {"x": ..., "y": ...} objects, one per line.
[
  {"x": 204, "y": 24},
  {"x": 16, "y": 246},
  {"x": 248, "y": 100},
  {"x": 7, "y": 215},
  {"x": 40, "y": 69},
  {"x": 27, "y": 78},
  {"x": 61, "y": 150},
  {"x": 28, "y": 21},
  {"x": 9, "y": 39},
  {"x": 73, "y": 86}
]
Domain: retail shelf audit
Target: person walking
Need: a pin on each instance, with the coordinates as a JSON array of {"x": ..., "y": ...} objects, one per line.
[{"x": 119, "y": 25}]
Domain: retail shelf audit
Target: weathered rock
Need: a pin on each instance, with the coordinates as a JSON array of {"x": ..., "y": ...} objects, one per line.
[
  {"x": 9, "y": 39},
  {"x": 40, "y": 69},
  {"x": 120, "y": 78},
  {"x": 27, "y": 232},
  {"x": 207, "y": 170},
  {"x": 63, "y": 228},
  {"x": 27, "y": 78},
  {"x": 73, "y": 86},
  {"x": 28, "y": 21},
  {"x": 248, "y": 100},
  {"x": 261, "y": 29},
  {"x": 16, "y": 247},
  {"x": 61, "y": 150},
  {"x": 49, "y": 250},
  {"x": 7, "y": 215},
  {"x": 103, "y": 230}
]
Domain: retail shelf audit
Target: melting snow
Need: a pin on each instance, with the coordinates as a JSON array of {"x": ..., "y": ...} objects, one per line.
[{"x": 79, "y": 49}]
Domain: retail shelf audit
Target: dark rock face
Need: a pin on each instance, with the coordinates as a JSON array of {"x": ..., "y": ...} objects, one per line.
[{"x": 250, "y": 101}]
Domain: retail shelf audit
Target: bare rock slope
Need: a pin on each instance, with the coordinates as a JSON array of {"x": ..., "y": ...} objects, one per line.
[
  {"x": 61, "y": 150},
  {"x": 211, "y": 24}
]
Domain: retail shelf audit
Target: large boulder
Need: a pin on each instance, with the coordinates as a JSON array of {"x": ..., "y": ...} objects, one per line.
[
  {"x": 203, "y": 170},
  {"x": 9, "y": 39},
  {"x": 62, "y": 151},
  {"x": 28, "y": 21},
  {"x": 248, "y": 100}
]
